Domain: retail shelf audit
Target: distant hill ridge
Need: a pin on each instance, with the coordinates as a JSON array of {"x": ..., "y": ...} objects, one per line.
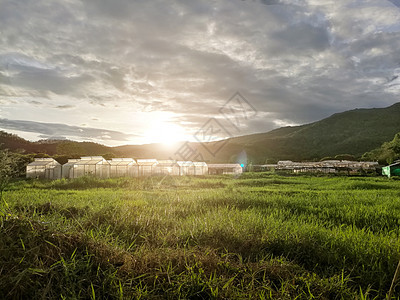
[{"x": 351, "y": 132}]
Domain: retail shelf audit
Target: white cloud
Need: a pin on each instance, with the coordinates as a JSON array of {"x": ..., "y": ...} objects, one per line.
[{"x": 117, "y": 64}]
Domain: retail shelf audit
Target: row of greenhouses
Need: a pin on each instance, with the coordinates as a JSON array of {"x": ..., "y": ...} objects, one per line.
[{"x": 97, "y": 166}]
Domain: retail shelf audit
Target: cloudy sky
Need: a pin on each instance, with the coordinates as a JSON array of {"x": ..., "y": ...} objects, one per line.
[{"x": 132, "y": 72}]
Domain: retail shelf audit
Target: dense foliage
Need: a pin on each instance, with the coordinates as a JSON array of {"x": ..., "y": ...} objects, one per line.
[
  {"x": 51, "y": 147},
  {"x": 387, "y": 153},
  {"x": 260, "y": 236},
  {"x": 11, "y": 165}
]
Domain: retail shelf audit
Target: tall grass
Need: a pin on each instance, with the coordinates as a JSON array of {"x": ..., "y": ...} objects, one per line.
[{"x": 259, "y": 236}]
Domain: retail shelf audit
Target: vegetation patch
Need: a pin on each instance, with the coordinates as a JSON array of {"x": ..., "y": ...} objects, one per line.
[{"x": 200, "y": 238}]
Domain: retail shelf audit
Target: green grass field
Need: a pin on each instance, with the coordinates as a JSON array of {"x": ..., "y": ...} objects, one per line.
[{"x": 259, "y": 236}]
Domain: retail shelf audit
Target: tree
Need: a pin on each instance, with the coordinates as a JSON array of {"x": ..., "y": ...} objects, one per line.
[
  {"x": 108, "y": 156},
  {"x": 387, "y": 153},
  {"x": 8, "y": 169},
  {"x": 70, "y": 148}
]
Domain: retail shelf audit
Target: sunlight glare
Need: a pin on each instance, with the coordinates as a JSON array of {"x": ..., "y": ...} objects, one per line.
[{"x": 166, "y": 133}]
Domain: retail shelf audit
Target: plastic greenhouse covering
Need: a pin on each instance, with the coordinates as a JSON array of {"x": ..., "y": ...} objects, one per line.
[
  {"x": 95, "y": 166},
  {"x": 123, "y": 167},
  {"x": 147, "y": 167},
  {"x": 47, "y": 168}
]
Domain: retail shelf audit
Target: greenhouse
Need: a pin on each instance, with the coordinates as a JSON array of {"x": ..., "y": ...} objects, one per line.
[
  {"x": 167, "y": 167},
  {"x": 97, "y": 166},
  {"x": 43, "y": 168},
  {"x": 123, "y": 167},
  {"x": 216, "y": 169},
  {"x": 68, "y": 167},
  {"x": 186, "y": 168},
  {"x": 91, "y": 166},
  {"x": 147, "y": 167},
  {"x": 200, "y": 168}
]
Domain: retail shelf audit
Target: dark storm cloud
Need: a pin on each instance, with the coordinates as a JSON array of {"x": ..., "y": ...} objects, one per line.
[
  {"x": 270, "y": 2},
  {"x": 51, "y": 130},
  {"x": 395, "y": 2},
  {"x": 300, "y": 38}
]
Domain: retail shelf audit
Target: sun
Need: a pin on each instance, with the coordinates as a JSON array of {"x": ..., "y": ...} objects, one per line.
[{"x": 166, "y": 133}]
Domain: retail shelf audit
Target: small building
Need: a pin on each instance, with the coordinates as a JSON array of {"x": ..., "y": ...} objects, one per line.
[
  {"x": 95, "y": 166},
  {"x": 167, "y": 167},
  {"x": 200, "y": 168},
  {"x": 123, "y": 167},
  {"x": 392, "y": 170},
  {"x": 219, "y": 169},
  {"x": 186, "y": 168},
  {"x": 47, "y": 168},
  {"x": 147, "y": 167},
  {"x": 68, "y": 167},
  {"x": 328, "y": 166}
]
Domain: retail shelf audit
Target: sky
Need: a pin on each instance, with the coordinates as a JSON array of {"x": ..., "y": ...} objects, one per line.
[{"x": 134, "y": 72}]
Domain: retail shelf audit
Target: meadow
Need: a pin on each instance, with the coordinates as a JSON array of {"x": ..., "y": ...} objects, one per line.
[{"x": 257, "y": 236}]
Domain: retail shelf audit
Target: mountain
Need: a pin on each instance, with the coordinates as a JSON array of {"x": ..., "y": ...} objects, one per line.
[
  {"x": 51, "y": 147},
  {"x": 352, "y": 132}
]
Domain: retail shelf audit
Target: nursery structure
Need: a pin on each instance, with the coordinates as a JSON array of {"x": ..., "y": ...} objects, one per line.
[
  {"x": 167, "y": 167},
  {"x": 67, "y": 168},
  {"x": 95, "y": 166},
  {"x": 47, "y": 168},
  {"x": 147, "y": 167},
  {"x": 328, "y": 166},
  {"x": 200, "y": 168},
  {"x": 123, "y": 167},
  {"x": 219, "y": 169},
  {"x": 185, "y": 168}
]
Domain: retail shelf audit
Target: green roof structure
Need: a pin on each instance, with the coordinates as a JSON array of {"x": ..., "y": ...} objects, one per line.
[{"x": 392, "y": 170}]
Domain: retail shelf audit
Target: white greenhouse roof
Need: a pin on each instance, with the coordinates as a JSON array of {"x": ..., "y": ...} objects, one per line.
[
  {"x": 200, "y": 164},
  {"x": 96, "y": 161},
  {"x": 122, "y": 162},
  {"x": 92, "y": 158},
  {"x": 43, "y": 162},
  {"x": 185, "y": 163},
  {"x": 167, "y": 162},
  {"x": 147, "y": 162},
  {"x": 123, "y": 159},
  {"x": 71, "y": 162}
]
